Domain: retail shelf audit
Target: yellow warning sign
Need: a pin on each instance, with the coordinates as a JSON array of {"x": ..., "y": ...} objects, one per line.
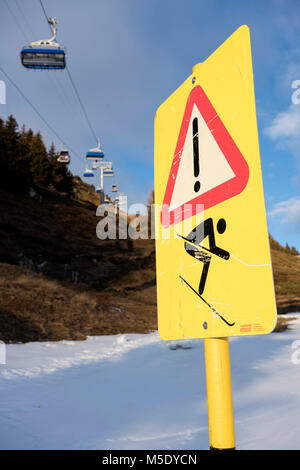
[{"x": 214, "y": 272}]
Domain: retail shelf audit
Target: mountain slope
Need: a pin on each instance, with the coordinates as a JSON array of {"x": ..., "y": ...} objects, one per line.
[{"x": 59, "y": 281}]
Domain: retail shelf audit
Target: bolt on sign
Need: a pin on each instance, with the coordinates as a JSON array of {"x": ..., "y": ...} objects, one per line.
[{"x": 214, "y": 272}]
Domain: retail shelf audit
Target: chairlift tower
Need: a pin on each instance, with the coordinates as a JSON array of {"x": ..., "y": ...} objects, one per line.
[{"x": 105, "y": 169}]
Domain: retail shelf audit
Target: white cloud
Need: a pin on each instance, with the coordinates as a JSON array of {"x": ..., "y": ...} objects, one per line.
[
  {"x": 286, "y": 124},
  {"x": 288, "y": 212}
]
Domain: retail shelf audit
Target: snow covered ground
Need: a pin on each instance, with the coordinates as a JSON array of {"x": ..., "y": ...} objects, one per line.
[{"x": 138, "y": 392}]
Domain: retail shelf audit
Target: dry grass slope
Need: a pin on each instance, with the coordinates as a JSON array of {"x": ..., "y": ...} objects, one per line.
[
  {"x": 286, "y": 272},
  {"x": 34, "y": 308},
  {"x": 58, "y": 281}
]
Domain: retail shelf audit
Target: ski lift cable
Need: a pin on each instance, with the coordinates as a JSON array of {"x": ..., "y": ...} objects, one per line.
[
  {"x": 18, "y": 88},
  {"x": 81, "y": 103},
  {"x": 37, "y": 111},
  {"x": 16, "y": 20},
  {"x": 63, "y": 88},
  {"x": 73, "y": 85},
  {"x": 18, "y": 23},
  {"x": 24, "y": 17},
  {"x": 46, "y": 16},
  {"x": 57, "y": 85}
]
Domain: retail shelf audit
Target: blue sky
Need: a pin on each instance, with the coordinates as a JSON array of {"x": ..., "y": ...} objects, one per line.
[{"x": 127, "y": 56}]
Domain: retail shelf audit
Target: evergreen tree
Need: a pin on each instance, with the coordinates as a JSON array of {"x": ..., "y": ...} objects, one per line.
[
  {"x": 294, "y": 251},
  {"x": 14, "y": 169},
  {"x": 25, "y": 161},
  {"x": 60, "y": 176},
  {"x": 38, "y": 158}
]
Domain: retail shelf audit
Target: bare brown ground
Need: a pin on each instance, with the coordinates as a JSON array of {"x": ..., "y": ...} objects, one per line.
[{"x": 59, "y": 281}]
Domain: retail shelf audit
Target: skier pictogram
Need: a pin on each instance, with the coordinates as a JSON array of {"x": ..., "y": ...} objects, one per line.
[{"x": 194, "y": 248}]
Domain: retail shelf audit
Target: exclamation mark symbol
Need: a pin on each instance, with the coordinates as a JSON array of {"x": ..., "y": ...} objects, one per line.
[{"x": 197, "y": 185}]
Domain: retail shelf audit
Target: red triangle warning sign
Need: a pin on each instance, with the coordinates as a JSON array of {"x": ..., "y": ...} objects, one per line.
[{"x": 207, "y": 166}]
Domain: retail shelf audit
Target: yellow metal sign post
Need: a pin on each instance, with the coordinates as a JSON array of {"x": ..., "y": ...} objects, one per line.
[
  {"x": 214, "y": 273},
  {"x": 219, "y": 394}
]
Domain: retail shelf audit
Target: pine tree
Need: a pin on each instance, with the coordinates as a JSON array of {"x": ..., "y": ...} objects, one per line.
[
  {"x": 294, "y": 251},
  {"x": 38, "y": 160},
  {"x": 60, "y": 176},
  {"x": 25, "y": 161},
  {"x": 14, "y": 169}
]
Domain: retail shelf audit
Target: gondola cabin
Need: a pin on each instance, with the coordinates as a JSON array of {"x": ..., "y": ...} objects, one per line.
[
  {"x": 106, "y": 200},
  {"x": 88, "y": 173},
  {"x": 108, "y": 173},
  {"x": 95, "y": 153},
  {"x": 64, "y": 157},
  {"x": 45, "y": 54}
]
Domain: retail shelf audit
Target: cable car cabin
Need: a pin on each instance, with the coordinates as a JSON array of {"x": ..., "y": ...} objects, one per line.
[
  {"x": 88, "y": 173},
  {"x": 95, "y": 153},
  {"x": 43, "y": 57},
  {"x": 106, "y": 200},
  {"x": 114, "y": 188},
  {"x": 108, "y": 173},
  {"x": 99, "y": 190},
  {"x": 45, "y": 54},
  {"x": 64, "y": 157}
]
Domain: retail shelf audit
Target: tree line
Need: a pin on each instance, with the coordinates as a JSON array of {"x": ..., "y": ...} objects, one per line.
[
  {"x": 26, "y": 163},
  {"x": 286, "y": 249}
]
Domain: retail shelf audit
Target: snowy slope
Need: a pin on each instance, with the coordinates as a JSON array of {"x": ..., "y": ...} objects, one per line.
[{"x": 137, "y": 392}]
